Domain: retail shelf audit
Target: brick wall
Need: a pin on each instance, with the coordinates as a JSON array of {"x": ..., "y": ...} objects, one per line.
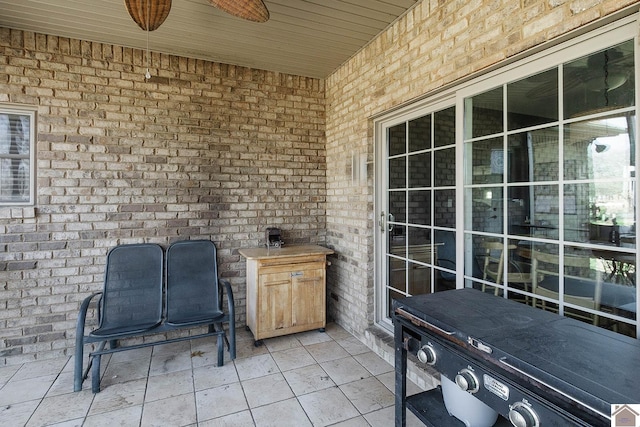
[
  {"x": 436, "y": 43},
  {"x": 219, "y": 151},
  {"x": 213, "y": 152}
]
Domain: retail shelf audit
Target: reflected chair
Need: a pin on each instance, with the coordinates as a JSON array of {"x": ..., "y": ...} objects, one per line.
[
  {"x": 494, "y": 264},
  {"x": 446, "y": 252},
  {"x": 578, "y": 291}
]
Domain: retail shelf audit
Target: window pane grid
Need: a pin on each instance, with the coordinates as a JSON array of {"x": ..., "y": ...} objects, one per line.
[
  {"x": 413, "y": 204},
  {"x": 16, "y": 166},
  {"x": 545, "y": 180}
]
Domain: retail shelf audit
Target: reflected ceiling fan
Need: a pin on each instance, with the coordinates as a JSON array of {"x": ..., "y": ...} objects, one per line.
[
  {"x": 606, "y": 70},
  {"x": 150, "y": 14},
  {"x": 601, "y": 72}
]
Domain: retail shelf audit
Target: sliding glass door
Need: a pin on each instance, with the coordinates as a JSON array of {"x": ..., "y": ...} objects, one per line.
[
  {"x": 419, "y": 205},
  {"x": 522, "y": 184}
]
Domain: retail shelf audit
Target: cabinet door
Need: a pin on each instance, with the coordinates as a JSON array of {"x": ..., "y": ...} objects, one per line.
[
  {"x": 308, "y": 294},
  {"x": 275, "y": 301}
]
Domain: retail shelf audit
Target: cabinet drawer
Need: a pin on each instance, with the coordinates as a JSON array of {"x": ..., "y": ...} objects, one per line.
[
  {"x": 293, "y": 270},
  {"x": 290, "y": 262}
]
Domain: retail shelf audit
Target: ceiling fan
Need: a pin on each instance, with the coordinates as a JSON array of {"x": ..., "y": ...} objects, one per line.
[{"x": 150, "y": 14}]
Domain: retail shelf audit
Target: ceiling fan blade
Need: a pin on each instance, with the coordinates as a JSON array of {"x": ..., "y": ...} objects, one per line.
[
  {"x": 148, "y": 14},
  {"x": 252, "y": 10}
]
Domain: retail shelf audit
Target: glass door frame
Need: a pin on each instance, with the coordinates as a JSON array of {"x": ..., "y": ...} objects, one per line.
[
  {"x": 590, "y": 38},
  {"x": 381, "y": 206}
]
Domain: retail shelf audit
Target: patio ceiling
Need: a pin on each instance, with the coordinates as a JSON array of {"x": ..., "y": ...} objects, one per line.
[{"x": 303, "y": 37}]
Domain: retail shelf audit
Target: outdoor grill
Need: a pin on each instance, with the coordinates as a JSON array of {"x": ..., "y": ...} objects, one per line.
[{"x": 527, "y": 366}]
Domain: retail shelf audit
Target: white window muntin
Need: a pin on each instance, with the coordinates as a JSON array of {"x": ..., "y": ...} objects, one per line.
[{"x": 23, "y": 175}]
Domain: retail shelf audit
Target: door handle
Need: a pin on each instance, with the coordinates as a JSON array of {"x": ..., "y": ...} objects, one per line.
[{"x": 385, "y": 219}]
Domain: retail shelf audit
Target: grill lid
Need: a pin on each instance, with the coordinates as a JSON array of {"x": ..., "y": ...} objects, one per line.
[{"x": 562, "y": 356}]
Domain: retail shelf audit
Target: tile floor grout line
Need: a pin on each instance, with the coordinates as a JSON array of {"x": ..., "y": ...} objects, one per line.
[
  {"x": 294, "y": 394},
  {"x": 193, "y": 381},
  {"x": 146, "y": 386}
]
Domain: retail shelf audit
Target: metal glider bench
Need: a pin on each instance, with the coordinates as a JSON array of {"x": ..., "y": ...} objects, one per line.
[{"x": 137, "y": 301}]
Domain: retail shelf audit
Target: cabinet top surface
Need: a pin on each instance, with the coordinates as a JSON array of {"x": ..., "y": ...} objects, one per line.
[{"x": 286, "y": 251}]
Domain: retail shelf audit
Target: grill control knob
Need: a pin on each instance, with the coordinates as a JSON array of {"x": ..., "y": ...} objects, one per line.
[
  {"x": 521, "y": 415},
  {"x": 427, "y": 355},
  {"x": 467, "y": 381}
]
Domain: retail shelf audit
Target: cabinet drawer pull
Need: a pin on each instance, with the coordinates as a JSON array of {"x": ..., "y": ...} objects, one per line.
[
  {"x": 297, "y": 274},
  {"x": 283, "y": 282},
  {"x": 312, "y": 280}
]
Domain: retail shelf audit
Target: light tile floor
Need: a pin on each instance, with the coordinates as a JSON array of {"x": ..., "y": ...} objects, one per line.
[{"x": 308, "y": 379}]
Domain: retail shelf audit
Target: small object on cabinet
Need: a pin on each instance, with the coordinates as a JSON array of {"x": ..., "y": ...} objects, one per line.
[{"x": 273, "y": 237}]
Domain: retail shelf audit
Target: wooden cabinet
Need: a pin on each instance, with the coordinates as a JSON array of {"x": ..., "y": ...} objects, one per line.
[{"x": 286, "y": 289}]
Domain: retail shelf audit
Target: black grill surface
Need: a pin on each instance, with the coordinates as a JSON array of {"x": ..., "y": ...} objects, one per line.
[{"x": 595, "y": 366}]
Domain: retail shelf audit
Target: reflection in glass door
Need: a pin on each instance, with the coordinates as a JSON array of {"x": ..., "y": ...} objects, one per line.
[
  {"x": 546, "y": 185},
  {"x": 550, "y": 189},
  {"x": 419, "y": 219}
]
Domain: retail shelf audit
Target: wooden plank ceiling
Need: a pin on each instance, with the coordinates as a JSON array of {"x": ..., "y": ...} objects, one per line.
[{"x": 303, "y": 37}]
